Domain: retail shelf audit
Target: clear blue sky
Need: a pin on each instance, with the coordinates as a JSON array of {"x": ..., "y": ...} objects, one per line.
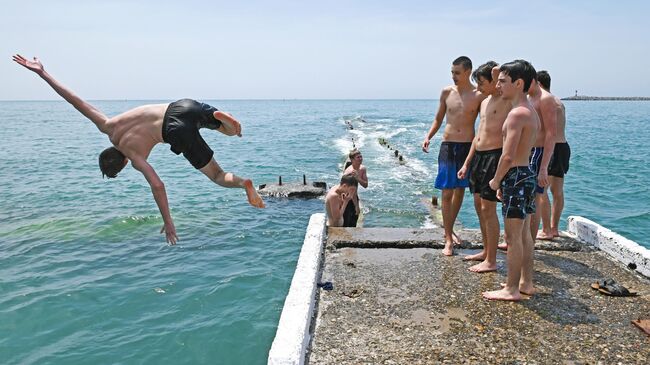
[{"x": 316, "y": 49}]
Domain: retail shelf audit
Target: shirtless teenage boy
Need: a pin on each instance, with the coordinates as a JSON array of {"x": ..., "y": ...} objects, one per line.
[
  {"x": 540, "y": 157},
  {"x": 481, "y": 164},
  {"x": 557, "y": 168},
  {"x": 356, "y": 169},
  {"x": 337, "y": 199},
  {"x": 460, "y": 104},
  {"x": 134, "y": 134},
  {"x": 514, "y": 179}
]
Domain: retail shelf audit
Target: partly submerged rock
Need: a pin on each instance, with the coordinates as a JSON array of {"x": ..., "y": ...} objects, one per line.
[{"x": 294, "y": 190}]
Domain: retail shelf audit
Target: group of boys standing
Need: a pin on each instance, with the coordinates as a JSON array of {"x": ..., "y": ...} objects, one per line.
[{"x": 520, "y": 142}]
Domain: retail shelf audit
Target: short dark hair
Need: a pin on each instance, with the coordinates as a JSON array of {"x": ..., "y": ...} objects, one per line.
[
  {"x": 111, "y": 161},
  {"x": 544, "y": 79},
  {"x": 348, "y": 179},
  {"x": 520, "y": 69},
  {"x": 484, "y": 70},
  {"x": 464, "y": 61}
]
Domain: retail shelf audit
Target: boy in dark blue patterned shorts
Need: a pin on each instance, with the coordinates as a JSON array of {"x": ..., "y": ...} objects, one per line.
[{"x": 515, "y": 181}]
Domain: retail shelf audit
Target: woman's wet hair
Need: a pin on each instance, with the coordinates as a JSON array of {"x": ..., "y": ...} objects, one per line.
[
  {"x": 111, "y": 162},
  {"x": 520, "y": 69},
  {"x": 485, "y": 71}
]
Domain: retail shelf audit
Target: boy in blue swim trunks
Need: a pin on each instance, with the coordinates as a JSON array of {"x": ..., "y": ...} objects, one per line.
[
  {"x": 460, "y": 104},
  {"x": 514, "y": 181}
]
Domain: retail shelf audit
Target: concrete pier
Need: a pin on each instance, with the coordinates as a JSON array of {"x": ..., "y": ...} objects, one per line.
[{"x": 397, "y": 300}]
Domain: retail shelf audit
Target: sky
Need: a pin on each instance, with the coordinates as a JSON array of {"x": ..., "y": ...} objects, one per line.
[{"x": 331, "y": 49}]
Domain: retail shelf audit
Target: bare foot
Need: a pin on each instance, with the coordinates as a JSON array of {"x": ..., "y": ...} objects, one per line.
[
  {"x": 545, "y": 236},
  {"x": 254, "y": 198},
  {"x": 503, "y": 246},
  {"x": 449, "y": 249},
  {"x": 526, "y": 290},
  {"x": 457, "y": 240},
  {"x": 476, "y": 257},
  {"x": 483, "y": 267},
  {"x": 501, "y": 295},
  {"x": 555, "y": 232}
]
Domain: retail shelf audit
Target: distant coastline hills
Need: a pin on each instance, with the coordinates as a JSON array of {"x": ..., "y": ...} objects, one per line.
[{"x": 600, "y": 98}]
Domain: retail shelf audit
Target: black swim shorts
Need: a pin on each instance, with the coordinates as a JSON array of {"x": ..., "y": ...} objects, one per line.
[
  {"x": 350, "y": 216},
  {"x": 180, "y": 129},
  {"x": 518, "y": 190},
  {"x": 559, "y": 165},
  {"x": 481, "y": 171}
]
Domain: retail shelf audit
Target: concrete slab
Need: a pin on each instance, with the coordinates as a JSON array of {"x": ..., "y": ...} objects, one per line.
[{"x": 415, "y": 306}]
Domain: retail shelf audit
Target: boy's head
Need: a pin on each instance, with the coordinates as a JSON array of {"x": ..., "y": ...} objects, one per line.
[
  {"x": 111, "y": 162},
  {"x": 483, "y": 77},
  {"x": 461, "y": 69},
  {"x": 355, "y": 154},
  {"x": 349, "y": 183},
  {"x": 544, "y": 79},
  {"x": 515, "y": 76}
]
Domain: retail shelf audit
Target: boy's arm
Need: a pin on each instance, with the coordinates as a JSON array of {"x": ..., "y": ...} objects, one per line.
[
  {"x": 513, "y": 134},
  {"x": 463, "y": 170},
  {"x": 437, "y": 122},
  {"x": 549, "y": 118},
  {"x": 83, "y": 107},
  {"x": 363, "y": 177},
  {"x": 159, "y": 195}
]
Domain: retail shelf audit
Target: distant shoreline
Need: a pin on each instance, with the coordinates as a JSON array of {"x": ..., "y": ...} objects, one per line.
[{"x": 599, "y": 98}]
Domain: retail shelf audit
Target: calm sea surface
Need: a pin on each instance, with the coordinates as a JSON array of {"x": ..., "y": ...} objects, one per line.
[{"x": 85, "y": 276}]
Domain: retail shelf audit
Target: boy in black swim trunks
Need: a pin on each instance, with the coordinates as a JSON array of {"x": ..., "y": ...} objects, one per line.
[
  {"x": 460, "y": 104},
  {"x": 481, "y": 164},
  {"x": 515, "y": 181},
  {"x": 557, "y": 168},
  {"x": 134, "y": 133}
]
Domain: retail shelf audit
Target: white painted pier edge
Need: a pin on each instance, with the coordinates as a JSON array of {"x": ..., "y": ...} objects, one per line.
[
  {"x": 620, "y": 248},
  {"x": 292, "y": 337}
]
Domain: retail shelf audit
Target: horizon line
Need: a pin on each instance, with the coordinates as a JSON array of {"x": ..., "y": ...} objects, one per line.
[{"x": 228, "y": 99}]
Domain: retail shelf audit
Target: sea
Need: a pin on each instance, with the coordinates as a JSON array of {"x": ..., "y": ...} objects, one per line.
[{"x": 87, "y": 278}]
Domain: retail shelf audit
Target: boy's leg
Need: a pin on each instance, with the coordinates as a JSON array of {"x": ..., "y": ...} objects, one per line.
[
  {"x": 557, "y": 190},
  {"x": 515, "y": 230},
  {"x": 448, "y": 220},
  {"x": 544, "y": 208},
  {"x": 478, "y": 207},
  {"x": 229, "y": 180}
]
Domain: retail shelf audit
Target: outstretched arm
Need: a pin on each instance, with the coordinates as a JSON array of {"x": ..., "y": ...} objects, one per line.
[
  {"x": 83, "y": 107},
  {"x": 160, "y": 195}
]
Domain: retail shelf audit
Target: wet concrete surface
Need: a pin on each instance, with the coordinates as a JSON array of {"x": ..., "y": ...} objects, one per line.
[{"x": 416, "y": 306}]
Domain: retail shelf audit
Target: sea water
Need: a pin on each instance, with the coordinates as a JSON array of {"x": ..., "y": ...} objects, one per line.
[{"x": 85, "y": 276}]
